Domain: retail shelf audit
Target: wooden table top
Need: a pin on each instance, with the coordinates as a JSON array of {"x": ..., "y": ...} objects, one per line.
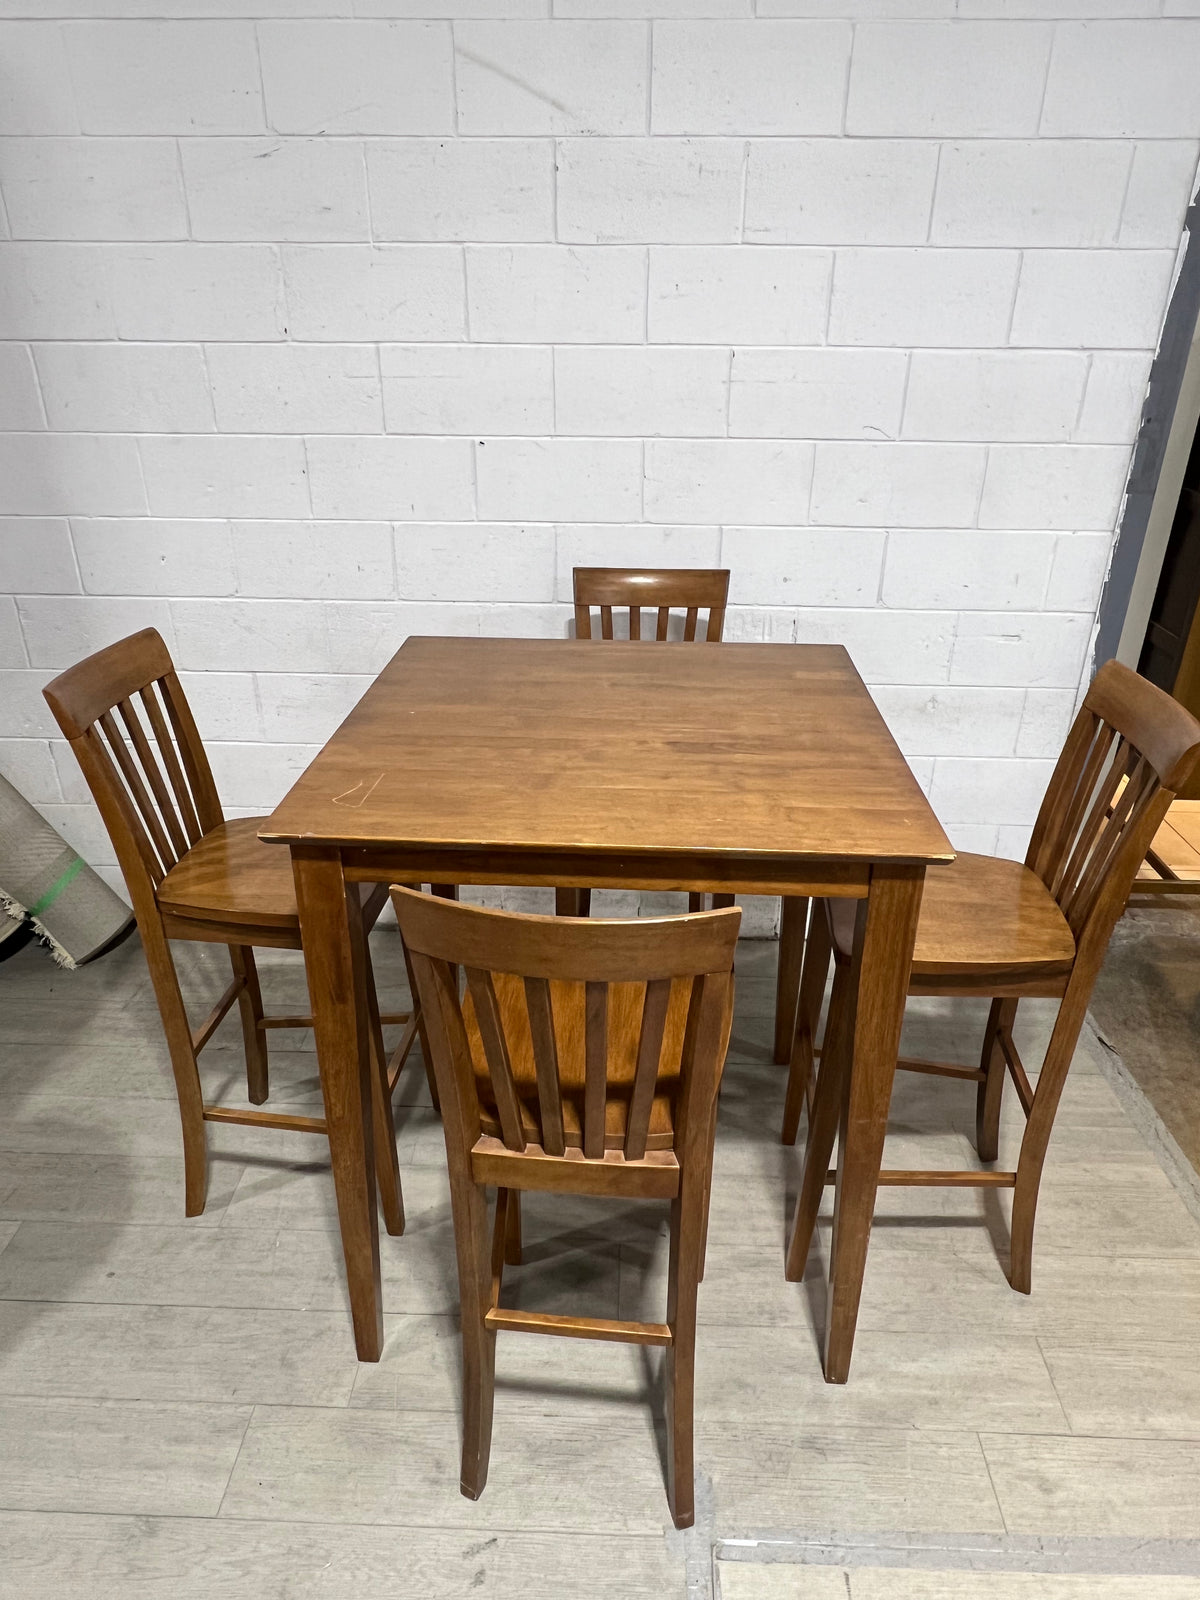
[{"x": 725, "y": 750}]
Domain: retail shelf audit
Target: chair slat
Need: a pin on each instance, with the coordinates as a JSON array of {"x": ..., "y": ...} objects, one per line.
[
  {"x": 1085, "y": 840},
  {"x": 495, "y": 1048},
  {"x": 635, "y": 622},
  {"x": 662, "y": 589},
  {"x": 153, "y": 772},
  {"x": 170, "y": 756},
  {"x": 191, "y": 752},
  {"x": 545, "y": 1060},
  {"x": 595, "y": 1070},
  {"x": 716, "y": 623},
  {"x": 137, "y": 791},
  {"x": 606, "y": 631},
  {"x": 689, "y": 624},
  {"x": 1089, "y": 775},
  {"x": 664, "y": 622},
  {"x": 1127, "y": 808},
  {"x": 654, "y": 1020}
]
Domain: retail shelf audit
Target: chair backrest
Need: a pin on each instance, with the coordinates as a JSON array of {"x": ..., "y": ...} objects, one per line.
[
  {"x": 687, "y": 589},
  {"x": 1128, "y": 751},
  {"x": 582, "y": 1036},
  {"x": 132, "y": 731}
]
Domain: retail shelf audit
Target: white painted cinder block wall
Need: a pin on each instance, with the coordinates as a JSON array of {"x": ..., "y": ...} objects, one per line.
[{"x": 320, "y": 329}]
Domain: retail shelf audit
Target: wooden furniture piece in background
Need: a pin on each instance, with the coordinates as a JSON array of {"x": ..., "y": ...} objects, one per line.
[
  {"x": 546, "y": 762},
  {"x": 661, "y": 589},
  {"x": 583, "y": 1058},
  {"x": 1006, "y": 930},
  {"x": 1172, "y": 864},
  {"x": 193, "y": 875}
]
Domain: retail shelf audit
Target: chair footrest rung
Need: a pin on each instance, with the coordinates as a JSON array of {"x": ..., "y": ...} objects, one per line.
[
  {"x": 941, "y": 1069},
  {"x": 400, "y": 1054},
  {"x": 897, "y": 1178},
  {"x": 265, "y": 1119},
  {"x": 579, "y": 1327}
]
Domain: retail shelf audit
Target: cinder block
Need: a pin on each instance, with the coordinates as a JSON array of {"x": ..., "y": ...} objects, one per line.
[
  {"x": 995, "y": 395},
  {"x": 722, "y": 294},
  {"x": 61, "y": 629},
  {"x": 1012, "y": 842},
  {"x": 54, "y": 291},
  {"x": 252, "y": 635},
  {"x": 332, "y": 560},
  {"x": 125, "y": 388},
  {"x": 654, "y": 9},
  {"x": 23, "y": 711},
  {"x": 295, "y": 388},
  {"x": 304, "y": 708},
  {"x": 37, "y": 94},
  {"x": 551, "y": 77},
  {"x": 350, "y": 292},
  {"x": 550, "y": 294},
  {"x": 1161, "y": 183},
  {"x": 839, "y": 191},
  {"x": 1070, "y": 487},
  {"x": 466, "y": 388},
  {"x": 29, "y": 767},
  {"x": 966, "y": 570},
  {"x": 54, "y": 474},
  {"x": 153, "y": 558},
  {"x": 979, "y": 838},
  {"x": 817, "y": 394},
  {"x": 361, "y": 479},
  {"x": 553, "y": 480},
  {"x": 1078, "y": 572},
  {"x": 473, "y": 190},
  {"x": 83, "y": 829},
  {"x": 1039, "y": 650},
  {"x": 954, "y": 79},
  {"x": 20, "y": 401},
  {"x": 1046, "y": 721},
  {"x": 1092, "y": 298},
  {"x": 267, "y": 189},
  {"x": 364, "y": 637},
  {"x": 224, "y": 475},
  {"x": 657, "y": 191},
  {"x": 257, "y": 776},
  {"x": 93, "y": 189},
  {"x": 923, "y": 297},
  {"x": 226, "y": 705},
  {"x": 886, "y": 646},
  {"x": 639, "y": 545},
  {"x": 525, "y": 622},
  {"x": 12, "y": 642},
  {"x": 861, "y": 9},
  {"x": 1114, "y": 397},
  {"x": 165, "y": 76},
  {"x": 334, "y": 77},
  {"x": 1003, "y": 791},
  {"x": 637, "y": 391},
  {"x": 803, "y": 566},
  {"x": 739, "y": 78},
  {"x": 743, "y": 481},
  {"x": 467, "y": 561},
  {"x": 36, "y": 556},
  {"x": 1030, "y": 192},
  {"x": 194, "y": 291},
  {"x": 897, "y": 485},
  {"x": 945, "y": 720},
  {"x": 1124, "y": 79}
]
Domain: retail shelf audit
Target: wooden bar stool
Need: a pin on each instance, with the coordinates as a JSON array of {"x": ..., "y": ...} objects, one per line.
[
  {"x": 583, "y": 1058},
  {"x": 1000, "y": 929},
  {"x": 193, "y": 875}
]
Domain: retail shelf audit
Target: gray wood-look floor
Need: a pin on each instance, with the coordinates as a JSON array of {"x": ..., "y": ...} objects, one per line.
[{"x": 181, "y": 1413}]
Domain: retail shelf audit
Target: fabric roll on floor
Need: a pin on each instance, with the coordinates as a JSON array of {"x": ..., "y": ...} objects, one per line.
[{"x": 42, "y": 878}]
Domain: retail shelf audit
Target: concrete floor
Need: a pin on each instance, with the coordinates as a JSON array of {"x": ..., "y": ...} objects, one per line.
[{"x": 182, "y": 1414}]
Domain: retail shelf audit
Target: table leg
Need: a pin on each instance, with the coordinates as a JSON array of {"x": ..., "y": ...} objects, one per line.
[
  {"x": 792, "y": 923},
  {"x": 884, "y": 933},
  {"x": 331, "y": 933}
]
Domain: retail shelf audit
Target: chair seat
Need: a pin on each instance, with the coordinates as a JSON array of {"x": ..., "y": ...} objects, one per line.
[
  {"x": 232, "y": 877},
  {"x": 979, "y": 915}
]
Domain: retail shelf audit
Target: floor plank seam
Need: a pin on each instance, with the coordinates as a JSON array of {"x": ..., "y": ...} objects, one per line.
[{"x": 1111, "y": 1555}]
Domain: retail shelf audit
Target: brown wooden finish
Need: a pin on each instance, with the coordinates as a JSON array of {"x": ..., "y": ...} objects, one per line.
[
  {"x": 1002, "y": 929},
  {"x": 629, "y": 1022},
  {"x": 193, "y": 875},
  {"x": 660, "y": 589},
  {"x": 738, "y": 768}
]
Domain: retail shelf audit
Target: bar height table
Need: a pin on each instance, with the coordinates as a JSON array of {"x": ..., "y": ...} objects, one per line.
[{"x": 749, "y": 768}]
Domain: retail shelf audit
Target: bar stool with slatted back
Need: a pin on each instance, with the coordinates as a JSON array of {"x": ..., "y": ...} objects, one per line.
[
  {"x": 583, "y": 1058},
  {"x": 1006, "y": 930},
  {"x": 192, "y": 875}
]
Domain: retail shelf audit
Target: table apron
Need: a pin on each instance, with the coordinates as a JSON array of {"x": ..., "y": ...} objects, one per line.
[{"x": 577, "y": 869}]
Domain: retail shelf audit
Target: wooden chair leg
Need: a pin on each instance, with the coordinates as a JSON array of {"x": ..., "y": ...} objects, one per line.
[
  {"x": 823, "y": 1121},
  {"x": 183, "y": 1065},
  {"x": 422, "y": 1031},
  {"x": 792, "y": 923},
  {"x": 474, "y": 1248},
  {"x": 1038, "y": 1128},
  {"x": 250, "y": 1006},
  {"x": 712, "y": 1145},
  {"x": 807, "y": 1014},
  {"x": 512, "y": 1229},
  {"x": 572, "y": 902},
  {"x": 991, "y": 1090},
  {"x": 687, "y": 1225},
  {"x": 387, "y": 1161}
]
